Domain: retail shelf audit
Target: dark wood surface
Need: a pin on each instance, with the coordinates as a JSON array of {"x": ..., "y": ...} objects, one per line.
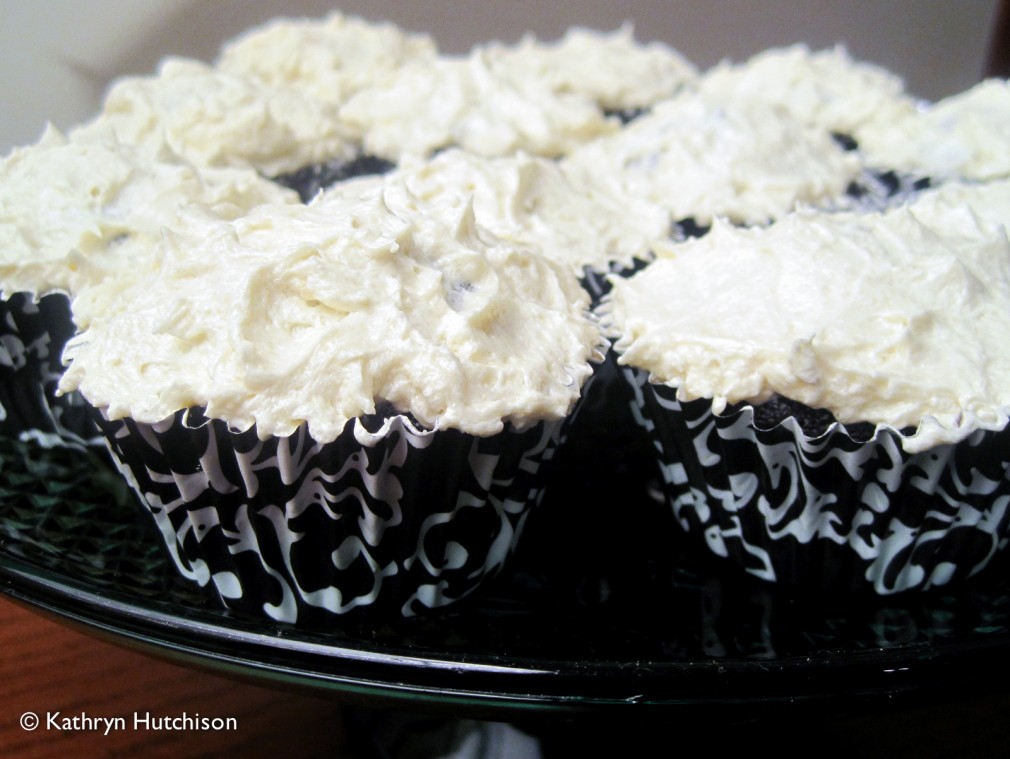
[{"x": 46, "y": 667}]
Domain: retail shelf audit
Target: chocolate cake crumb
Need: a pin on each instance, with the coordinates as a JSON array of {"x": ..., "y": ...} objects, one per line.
[
  {"x": 813, "y": 421},
  {"x": 626, "y": 115},
  {"x": 308, "y": 181},
  {"x": 687, "y": 228},
  {"x": 845, "y": 141}
]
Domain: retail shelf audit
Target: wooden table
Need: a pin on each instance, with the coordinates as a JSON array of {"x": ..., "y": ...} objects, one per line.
[{"x": 46, "y": 667}]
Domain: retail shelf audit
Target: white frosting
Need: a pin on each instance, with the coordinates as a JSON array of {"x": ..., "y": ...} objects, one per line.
[
  {"x": 898, "y": 319},
  {"x": 988, "y": 201},
  {"x": 328, "y": 59},
  {"x": 535, "y": 97},
  {"x": 529, "y": 201},
  {"x": 311, "y": 314},
  {"x": 219, "y": 119},
  {"x": 198, "y": 283},
  {"x": 702, "y": 157},
  {"x": 465, "y": 102},
  {"x": 966, "y": 135},
  {"x": 826, "y": 88},
  {"x": 72, "y": 209},
  {"x": 612, "y": 70}
]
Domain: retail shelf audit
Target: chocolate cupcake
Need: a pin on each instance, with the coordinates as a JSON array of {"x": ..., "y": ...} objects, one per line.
[
  {"x": 964, "y": 136},
  {"x": 72, "y": 210},
  {"x": 389, "y": 518},
  {"x": 336, "y": 408},
  {"x": 885, "y": 467}
]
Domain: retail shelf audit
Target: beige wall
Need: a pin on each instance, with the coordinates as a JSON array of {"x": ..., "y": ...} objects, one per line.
[{"x": 56, "y": 56}]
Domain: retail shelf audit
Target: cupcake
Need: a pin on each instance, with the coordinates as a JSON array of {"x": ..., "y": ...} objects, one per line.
[
  {"x": 828, "y": 90},
  {"x": 699, "y": 157},
  {"x": 689, "y": 159},
  {"x": 334, "y": 408},
  {"x": 589, "y": 231},
  {"x": 72, "y": 210},
  {"x": 828, "y": 396},
  {"x": 538, "y": 98},
  {"x": 823, "y": 88},
  {"x": 964, "y": 136},
  {"x": 324, "y": 60}
]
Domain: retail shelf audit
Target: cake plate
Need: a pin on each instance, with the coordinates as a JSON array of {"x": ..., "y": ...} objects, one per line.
[{"x": 619, "y": 620}]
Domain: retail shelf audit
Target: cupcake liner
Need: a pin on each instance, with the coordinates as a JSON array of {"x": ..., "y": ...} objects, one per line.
[
  {"x": 601, "y": 434},
  {"x": 387, "y": 519},
  {"x": 33, "y": 333},
  {"x": 596, "y": 282},
  {"x": 828, "y": 512}
]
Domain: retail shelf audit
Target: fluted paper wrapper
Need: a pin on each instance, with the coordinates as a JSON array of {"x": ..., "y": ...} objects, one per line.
[
  {"x": 33, "y": 333},
  {"x": 387, "y": 520},
  {"x": 828, "y": 512}
]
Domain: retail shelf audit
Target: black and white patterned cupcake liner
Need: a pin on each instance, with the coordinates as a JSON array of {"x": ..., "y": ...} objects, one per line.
[
  {"x": 602, "y": 436},
  {"x": 828, "y": 512},
  {"x": 388, "y": 519},
  {"x": 33, "y": 333},
  {"x": 596, "y": 281}
]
